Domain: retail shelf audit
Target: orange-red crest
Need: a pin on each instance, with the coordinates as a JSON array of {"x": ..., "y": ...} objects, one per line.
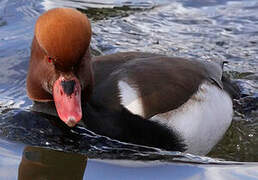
[{"x": 64, "y": 34}]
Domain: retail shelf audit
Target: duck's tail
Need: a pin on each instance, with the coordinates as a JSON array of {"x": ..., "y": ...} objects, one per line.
[{"x": 231, "y": 87}]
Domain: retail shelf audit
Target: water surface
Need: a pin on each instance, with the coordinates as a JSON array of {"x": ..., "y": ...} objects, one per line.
[{"x": 207, "y": 30}]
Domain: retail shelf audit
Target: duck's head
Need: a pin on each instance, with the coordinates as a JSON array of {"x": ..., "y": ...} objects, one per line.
[{"x": 59, "y": 67}]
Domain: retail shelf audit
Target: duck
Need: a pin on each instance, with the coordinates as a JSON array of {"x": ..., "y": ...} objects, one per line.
[{"x": 166, "y": 102}]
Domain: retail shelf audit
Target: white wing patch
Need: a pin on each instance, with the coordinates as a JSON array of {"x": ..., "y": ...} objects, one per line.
[
  {"x": 202, "y": 120},
  {"x": 130, "y": 98}
]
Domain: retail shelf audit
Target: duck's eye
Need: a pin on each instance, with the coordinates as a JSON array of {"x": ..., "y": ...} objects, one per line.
[{"x": 50, "y": 59}]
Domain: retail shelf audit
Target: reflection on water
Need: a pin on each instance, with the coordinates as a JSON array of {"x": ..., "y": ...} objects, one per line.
[
  {"x": 40, "y": 163},
  {"x": 217, "y": 29}
]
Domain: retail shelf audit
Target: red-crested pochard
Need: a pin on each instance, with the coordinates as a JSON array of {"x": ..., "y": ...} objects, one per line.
[{"x": 149, "y": 99}]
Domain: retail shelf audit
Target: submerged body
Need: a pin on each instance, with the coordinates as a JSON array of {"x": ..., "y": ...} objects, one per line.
[{"x": 149, "y": 99}]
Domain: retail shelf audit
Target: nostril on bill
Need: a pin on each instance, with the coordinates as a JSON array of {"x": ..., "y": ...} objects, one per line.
[{"x": 68, "y": 86}]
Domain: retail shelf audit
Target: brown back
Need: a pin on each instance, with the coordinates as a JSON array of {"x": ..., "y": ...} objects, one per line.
[{"x": 164, "y": 83}]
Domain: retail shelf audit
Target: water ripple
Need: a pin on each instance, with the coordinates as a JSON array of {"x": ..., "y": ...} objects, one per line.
[{"x": 217, "y": 29}]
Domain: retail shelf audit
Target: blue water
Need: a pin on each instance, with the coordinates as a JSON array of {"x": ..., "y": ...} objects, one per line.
[{"x": 218, "y": 29}]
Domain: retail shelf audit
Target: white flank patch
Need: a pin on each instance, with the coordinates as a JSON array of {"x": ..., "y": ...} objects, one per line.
[
  {"x": 130, "y": 98},
  {"x": 202, "y": 120}
]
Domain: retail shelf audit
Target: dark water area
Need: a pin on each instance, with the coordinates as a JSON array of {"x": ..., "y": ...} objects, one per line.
[{"x": 218, "y": 29}]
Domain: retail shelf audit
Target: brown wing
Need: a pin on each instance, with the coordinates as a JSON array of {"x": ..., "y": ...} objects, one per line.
[
  {"x": 164, "y": 83},
  {"x": 103, "y": 66}
]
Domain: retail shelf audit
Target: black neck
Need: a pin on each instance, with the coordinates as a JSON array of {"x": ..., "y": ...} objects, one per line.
[{"x": 124, "y": 126}]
